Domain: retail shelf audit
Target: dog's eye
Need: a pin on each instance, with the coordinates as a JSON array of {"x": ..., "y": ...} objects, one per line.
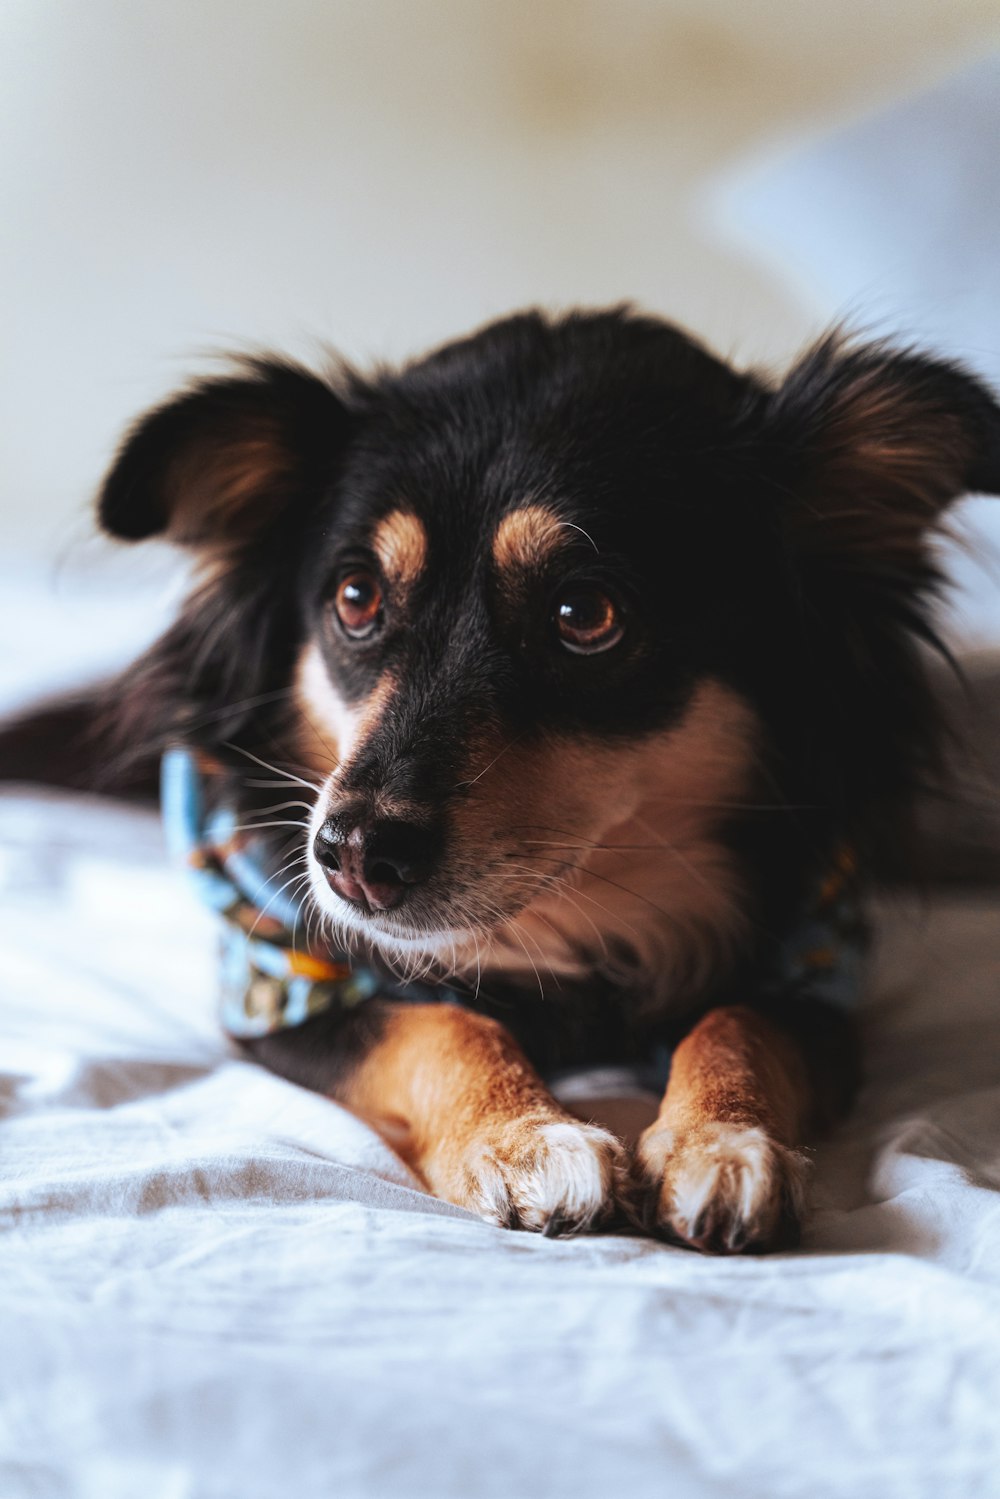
[
  {"x": 358, "y": 602},
  {"x": 587, "y": 621}
]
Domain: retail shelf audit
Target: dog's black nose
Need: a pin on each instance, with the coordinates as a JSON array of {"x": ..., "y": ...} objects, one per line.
[{"x": 374, "y": 865}]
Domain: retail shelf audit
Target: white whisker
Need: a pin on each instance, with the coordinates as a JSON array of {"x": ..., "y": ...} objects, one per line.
[{"x": 277, "y": 769}]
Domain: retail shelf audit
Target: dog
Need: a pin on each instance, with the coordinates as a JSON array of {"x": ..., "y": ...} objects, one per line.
[{"x": 590, "y": 674}]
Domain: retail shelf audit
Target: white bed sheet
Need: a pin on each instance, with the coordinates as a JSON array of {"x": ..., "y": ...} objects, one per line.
[{"x": 215, "y": 1284}]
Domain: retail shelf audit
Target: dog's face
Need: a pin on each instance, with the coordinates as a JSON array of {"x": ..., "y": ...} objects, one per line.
[
  {"x": 503, "y": 665},
  {"x": 556, "y": 609}
]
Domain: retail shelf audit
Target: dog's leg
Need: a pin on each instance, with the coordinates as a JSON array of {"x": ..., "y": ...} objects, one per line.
[
  {"x": 721, "y": 1167},
  {"x": 453, "y": 1093}
]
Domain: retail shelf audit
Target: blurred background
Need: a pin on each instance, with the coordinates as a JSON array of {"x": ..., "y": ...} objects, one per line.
[{"x": 184, "y": 176}]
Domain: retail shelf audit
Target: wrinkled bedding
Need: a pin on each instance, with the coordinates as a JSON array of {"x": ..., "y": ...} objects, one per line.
[{"x": 215, "y": 1284}]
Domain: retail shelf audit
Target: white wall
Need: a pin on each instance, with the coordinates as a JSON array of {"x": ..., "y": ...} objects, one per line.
[{"x": 184, "y": 175}]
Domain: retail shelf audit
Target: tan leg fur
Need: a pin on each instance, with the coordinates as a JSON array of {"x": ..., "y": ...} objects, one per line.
[{"x": 452, "y": 1092}]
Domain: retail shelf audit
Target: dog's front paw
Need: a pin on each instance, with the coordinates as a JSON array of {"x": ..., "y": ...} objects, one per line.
[
  {"x": 721, "y": 1188},
  {"x": 552, "y": 1175}
]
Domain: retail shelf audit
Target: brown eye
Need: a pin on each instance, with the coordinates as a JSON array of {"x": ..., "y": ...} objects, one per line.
[
  {"x": 358, "y": 602},
  {"x": 587, "y": 621}
]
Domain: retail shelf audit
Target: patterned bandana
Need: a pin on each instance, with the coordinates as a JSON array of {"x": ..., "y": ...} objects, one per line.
[{"x": 271, "y": 978}]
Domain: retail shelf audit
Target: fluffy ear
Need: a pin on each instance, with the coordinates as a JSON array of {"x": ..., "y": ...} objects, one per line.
[
  {"x": 874, "y": 444},
  {"x": 220, "y": 462}
]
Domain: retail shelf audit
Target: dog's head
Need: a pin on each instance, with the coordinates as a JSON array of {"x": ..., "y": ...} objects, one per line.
[{"x": 552, "y": 617}]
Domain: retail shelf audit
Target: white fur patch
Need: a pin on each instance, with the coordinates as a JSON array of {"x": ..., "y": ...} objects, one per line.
[{"x": 334, "y": 722}]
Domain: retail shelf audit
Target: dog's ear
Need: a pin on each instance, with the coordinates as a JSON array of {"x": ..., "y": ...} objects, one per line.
[
  {"x": 872, "y": 446},
  {"x": 218, "y": 464}
]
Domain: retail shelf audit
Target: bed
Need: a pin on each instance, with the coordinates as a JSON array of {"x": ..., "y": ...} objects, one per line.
[{"x": 213, "y": 1283}]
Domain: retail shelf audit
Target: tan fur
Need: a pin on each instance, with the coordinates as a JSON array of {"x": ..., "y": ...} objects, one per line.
[
  {"x": 527, "y": 538},
  {"x": 721, "y": 1161},
  {"x": 218, "y": 484},
  {"x": 400, "y": 544},
  {"x": 659, "y": 891},
  {"x": 452, "y": 1092},
  {"x": 890, "y": 465}
]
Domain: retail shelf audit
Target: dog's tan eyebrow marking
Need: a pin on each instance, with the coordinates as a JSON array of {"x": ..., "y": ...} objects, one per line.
[
  {"x": 526, "y": 538},
  {"x": 400, "y": 544}
]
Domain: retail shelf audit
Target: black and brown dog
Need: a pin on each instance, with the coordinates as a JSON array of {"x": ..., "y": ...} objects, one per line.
[{"x": 591, "y": 652}]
